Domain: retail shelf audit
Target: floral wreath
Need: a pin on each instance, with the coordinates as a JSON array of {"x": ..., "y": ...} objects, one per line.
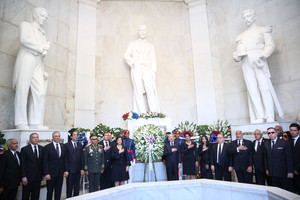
[{"x": 144, "y": 137}]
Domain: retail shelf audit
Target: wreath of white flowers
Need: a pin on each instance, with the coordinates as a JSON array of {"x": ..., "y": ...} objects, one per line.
[{"x": 141, "y": 140}]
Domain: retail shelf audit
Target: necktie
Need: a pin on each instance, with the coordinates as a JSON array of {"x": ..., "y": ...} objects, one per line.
[
  {"x": 219, "y": 153},
  {"x": 272, "y": 144},
  {"x": 35, "y": 151},
  {"x": 106, "y": 143},
  {"x": 57, "y": 150},
  {"x": 239, "y": 142},
  {"x": 75, "y": 146},
  {"x": 15, "y": 154}
]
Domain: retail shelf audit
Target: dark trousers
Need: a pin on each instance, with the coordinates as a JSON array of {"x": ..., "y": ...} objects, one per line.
[
  {"x": 244, "y": 176},
  {"x": 31, "y": 191},
  {"x": 94, "y": 179},
  {"x": 172, "y": 172},
  {"x": 260, "y": 177},
  {"x": 10, "y": 193},
  {"x": 297, "y": 183},
  {"x": 105, "y": 179},
  {"x": 222, "y": 173},
  {"x": 54, "y": 184},
  {"x": 73, "y": 182},
  {"x": 206, "y": 173},
  {"x": 284, "y": 183}
]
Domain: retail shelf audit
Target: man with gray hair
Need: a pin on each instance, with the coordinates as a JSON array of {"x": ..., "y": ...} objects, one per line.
[
  {"x": 54, "y": 166},
  {"x": 10, "y": 170},
  {"x": 32, "y": 157},
  {"x": 30, "y": 78},
  {"x": 258, "y": 158}
]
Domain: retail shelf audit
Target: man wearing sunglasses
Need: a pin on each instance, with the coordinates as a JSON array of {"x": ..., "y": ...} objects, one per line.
[{"x": 278, "y": 161}]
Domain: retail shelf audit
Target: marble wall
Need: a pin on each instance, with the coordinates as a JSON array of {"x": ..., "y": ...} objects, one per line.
[
  {"x": 169, "y": 32},
  {"x": 225, "y": 23},
  {"x": 61, "y": 30}
]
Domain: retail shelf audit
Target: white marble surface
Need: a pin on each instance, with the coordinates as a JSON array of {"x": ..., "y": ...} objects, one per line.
[{"x": 193, "y": 189}]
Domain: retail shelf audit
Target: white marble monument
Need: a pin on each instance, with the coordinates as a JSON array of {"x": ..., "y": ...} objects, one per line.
[
  {"x": 30, "y": 78},
  {"x": 254, "y": 46},
  {"x": 140, "y": 56}
]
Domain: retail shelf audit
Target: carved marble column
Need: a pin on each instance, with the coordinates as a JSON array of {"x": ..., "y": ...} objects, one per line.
[
  {"x": 203, "y": 71},
  {"x": 85, "y": 64}
]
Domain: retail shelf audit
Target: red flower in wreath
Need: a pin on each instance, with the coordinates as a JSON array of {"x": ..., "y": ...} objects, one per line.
[
  {"x": 191, "y": 134},
  {"x": 177, "y": 132},
  {"x": 125, "y": 116}
]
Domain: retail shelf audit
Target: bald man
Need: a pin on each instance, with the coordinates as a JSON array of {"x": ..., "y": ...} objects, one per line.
[{"x": 242, "y": 158}]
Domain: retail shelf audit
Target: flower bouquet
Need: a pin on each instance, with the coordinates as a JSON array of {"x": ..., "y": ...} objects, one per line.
[
  {"x": 190, "y": 127},
  {"x": 83, "y": 135},
  {"x": 217, "y": 128},
  {"x": 100, "y": 129},
  {"x": 130, "y": 115},
  {"x": 148, "y": 115}
]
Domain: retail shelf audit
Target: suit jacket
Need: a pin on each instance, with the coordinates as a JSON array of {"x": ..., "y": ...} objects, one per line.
[
  {"x": 242, "y": 159},
  {"x": 296, "y": 154},
  {"x": 107, "y": 154},
  {"x": 10, "y": 170},
  {"x": 54, "y": 165},
  {"x": 259, "y": 156},
  {"x": 74, "y": 158},
  {"x": 279, "y": 160},
  {"x": 31, "y": 165},
  {"x": 172, "y": 157},
  {"x": 225, "y": 159}
]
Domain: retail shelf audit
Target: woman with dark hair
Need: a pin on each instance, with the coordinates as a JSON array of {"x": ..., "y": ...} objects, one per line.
[
  {"x": 189, "y": 161},
  {"x": 120, "y": 162},
  {"x": 204, "y": 154},
  {"x": 287, "y": 136}
]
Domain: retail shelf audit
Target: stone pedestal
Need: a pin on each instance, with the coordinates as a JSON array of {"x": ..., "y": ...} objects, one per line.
[
  {"x": 45, "y": 136},
  {"x": 164, "y": 123},
  {"x": 248, "y": 129}
]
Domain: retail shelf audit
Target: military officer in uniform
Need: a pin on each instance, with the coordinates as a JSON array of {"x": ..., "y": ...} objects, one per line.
[
  {"x": 94, "y": 163},
  {"x": 129, "y": 144}
]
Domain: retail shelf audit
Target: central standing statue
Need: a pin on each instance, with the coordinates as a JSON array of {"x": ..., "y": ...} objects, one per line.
[{"x": 140, "y": 56}]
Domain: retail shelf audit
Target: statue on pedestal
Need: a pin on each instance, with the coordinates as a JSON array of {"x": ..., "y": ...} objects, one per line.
[
  {"x": 140, "y": 56},
  {"x": 254, "y": 46},
  {"x": 30, "y": 78}
]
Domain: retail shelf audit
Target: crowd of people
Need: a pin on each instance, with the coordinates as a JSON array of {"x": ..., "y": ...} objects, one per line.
[
  {"x": 105, "y": 163},
  {"x": 274, "y": 161}
]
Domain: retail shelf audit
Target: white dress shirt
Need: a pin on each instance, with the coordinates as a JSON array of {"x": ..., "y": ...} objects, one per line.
[
  {"x": 15, "y": 154},
  {"x": 37, "y": 148},
  {"x": 295, "y": 140},
  {"x": 59, "y": 148}
]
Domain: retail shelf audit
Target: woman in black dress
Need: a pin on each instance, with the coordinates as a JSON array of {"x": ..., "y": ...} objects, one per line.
[
  {"x": 120, "y": 163},
  {"x": 189, "y": 162},
  {"x": 204, "y": 154}
]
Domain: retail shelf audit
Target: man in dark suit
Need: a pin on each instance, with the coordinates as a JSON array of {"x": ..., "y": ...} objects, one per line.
[
  {"x": 32, "y": 156},
  {"x": 74, "y": 164},
  {"x": 221, "y": 159},
  {"x": 54, "y": 166},
  {"x": 295, "y": 130},
  {"x": 258, "y": 158},
  {"x": 172, "y": 156},
  {"x": 278, "y": 160},
  {"x": 242, "y": 150},
  {"x": 10, "y": 170},
  {"x": 105, "y": 178}
]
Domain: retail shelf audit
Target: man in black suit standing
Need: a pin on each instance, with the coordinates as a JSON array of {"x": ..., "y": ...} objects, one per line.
[
  {"x": 242, "y": 150},
  {"x": 10, "y": 170},
  {"x": 74, "y": 165},
  {"x": 172, "y": 156},
  {"x": 54, "y": 166},
  {"x": 105, "y": 178},
  {"x": 32, "y": 156},
  {"x": 221, "y": 159},
  {"x": 278, "y": 160},
  {"x": 295, "y": 131},
  {"x": 258, "y": 158}
]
